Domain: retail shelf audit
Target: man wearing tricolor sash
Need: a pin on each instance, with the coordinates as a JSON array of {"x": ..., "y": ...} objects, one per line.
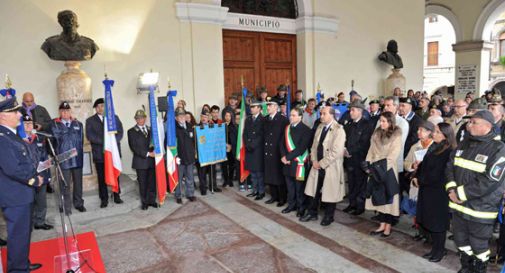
[{"x": 295, "y": 157}]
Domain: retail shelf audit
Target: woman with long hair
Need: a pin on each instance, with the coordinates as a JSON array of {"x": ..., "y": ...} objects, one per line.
[
  {"x": 386, "y": 144},
  {"x": 432, "y": 201},
  {"x": 231, "y": 145}
]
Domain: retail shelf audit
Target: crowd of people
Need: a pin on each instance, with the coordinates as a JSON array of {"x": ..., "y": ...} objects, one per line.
[{"x": 435, "y": 158}]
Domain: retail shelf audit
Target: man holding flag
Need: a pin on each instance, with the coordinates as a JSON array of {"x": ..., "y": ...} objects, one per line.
[
  {"x": 139, "y": 140},
  {"x": 240, "y": 150},
  {"x": 185, "y": 156},
  {"x": 96, "y": 132}
]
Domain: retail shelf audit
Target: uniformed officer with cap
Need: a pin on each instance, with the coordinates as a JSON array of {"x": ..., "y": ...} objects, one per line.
[
  {"x": 475, "y": 185},
  {"x": 254, "y": 145},
  {"x": 139, "y": 140},
  {"x": 475, "y": 106},
  {"x": 69, "y": 134},
  {"x": 18, "y": 180}
]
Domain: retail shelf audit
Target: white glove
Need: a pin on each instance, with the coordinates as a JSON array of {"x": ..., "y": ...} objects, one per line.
[{"x": 178, "y": 161}]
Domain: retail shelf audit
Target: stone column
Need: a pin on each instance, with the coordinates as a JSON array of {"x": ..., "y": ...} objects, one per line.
[
  {"x": 472, "y": 55},
  {"x": 74, "y": 86}
]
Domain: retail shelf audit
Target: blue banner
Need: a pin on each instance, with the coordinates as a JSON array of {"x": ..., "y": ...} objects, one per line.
[
  {"x": 288, "y": 102},
  {"x": 211, "y": 143},
  {"x": 153, "y": 113},
  {"x": 171, "y": 139},
  {"x": 109, "y": 106}
]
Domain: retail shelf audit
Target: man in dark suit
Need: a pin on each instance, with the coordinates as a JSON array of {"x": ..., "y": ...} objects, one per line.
[
  {"x": 18, "y": 180},
  {"x": 275, "y": 123},
  {"x": 254, "y": 144},
  {"x": 95, "y": 135},
  {"x": 185, "y": 156},
  {"x": 139, "y": 140},
  {"x": 405, "y": 111},
  {"x": 295, "y": 155},
  {"x": 358, "y": 134}
]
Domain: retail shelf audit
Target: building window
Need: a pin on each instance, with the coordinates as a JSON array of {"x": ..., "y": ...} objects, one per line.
[
  {"x": 433, "y": 19},
  {"x": 502, "y": 44},
  {"x": 432, "y": 53},
  {"x": 274, "y": 8}
]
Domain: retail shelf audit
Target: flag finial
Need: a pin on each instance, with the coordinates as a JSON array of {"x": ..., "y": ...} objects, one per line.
[
  {"x": 242, "y": 81},
  {"x": 169, "y": 83},
  {"x": 8, "y": 82},
  {"x": 318, "y": 87}
]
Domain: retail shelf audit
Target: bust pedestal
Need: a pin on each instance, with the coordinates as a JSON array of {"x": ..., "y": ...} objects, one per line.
[
  {"x": 395, "y": 79},
  {"x": 74, "y": 86}
]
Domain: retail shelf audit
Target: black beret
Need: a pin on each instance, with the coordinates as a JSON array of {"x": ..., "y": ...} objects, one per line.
[{"x": 97, "y": 102}]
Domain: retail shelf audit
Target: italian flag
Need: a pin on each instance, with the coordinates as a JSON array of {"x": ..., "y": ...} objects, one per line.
[
  {"x": 300, "y": 160},
  {"x": 171, "y": 139},
  {"x": 240, "y": 152}
]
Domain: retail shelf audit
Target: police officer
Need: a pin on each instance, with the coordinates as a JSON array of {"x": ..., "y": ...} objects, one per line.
[
  {"x": 68, "y": 133},
  {"x": 254, "y": 144},
  {"x": 275, "y": 124},
  {"x": 39, "y": 149},
  {"x": 139, "y": 140},
  {"x": 475, "y": 187},
  {"x": 358, "y": 134},
  {"x": 18, "y": 180},
  {"x": 95, "y": 135}
]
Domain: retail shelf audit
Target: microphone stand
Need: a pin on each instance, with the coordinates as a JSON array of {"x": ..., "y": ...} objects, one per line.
[{"x": 62, "y": 210}]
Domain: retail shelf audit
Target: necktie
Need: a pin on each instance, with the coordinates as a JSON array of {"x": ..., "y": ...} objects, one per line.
[
  {"x": 68, "y": 124},
  {"x": 144, "y": 131}
]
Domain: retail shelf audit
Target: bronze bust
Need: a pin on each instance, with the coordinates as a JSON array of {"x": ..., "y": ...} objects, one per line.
[
  {"x": 391, "y": 55},
  {"x": 69, "y": 45}
]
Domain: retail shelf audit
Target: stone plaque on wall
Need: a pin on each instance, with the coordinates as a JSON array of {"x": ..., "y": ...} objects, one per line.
[{"x": 466, "y": 78}]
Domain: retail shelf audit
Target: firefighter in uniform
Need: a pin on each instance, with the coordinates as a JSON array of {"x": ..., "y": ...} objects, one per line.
[{"x": 475, "y": 188}]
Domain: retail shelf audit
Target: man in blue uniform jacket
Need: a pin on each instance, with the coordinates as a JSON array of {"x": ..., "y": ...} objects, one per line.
[{"x": 18, "y": 180}]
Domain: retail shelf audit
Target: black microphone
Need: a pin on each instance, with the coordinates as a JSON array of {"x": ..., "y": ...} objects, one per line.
[{"x": 42, "y": 133}]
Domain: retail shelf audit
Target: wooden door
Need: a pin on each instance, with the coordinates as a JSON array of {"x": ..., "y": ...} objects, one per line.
[{"x": 262, "y": 59}]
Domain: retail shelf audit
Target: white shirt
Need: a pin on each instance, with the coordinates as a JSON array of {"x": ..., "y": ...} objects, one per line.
[
  {"x": 101, "y": 117},
  {"x": 10, "y": 129}
]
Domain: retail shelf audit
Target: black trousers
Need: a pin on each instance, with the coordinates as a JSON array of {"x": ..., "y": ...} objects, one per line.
[
  {"x": 471, "y": 237},
  {"x": 19, "y": 228},
  {"x": 228, "y": 169},
  {"x": 278, "y": 192},
  {"x": 296, "y": 197},
  {"x": 147, "y": 186},
  {"x": 357, "y": 187},
  {"x": 205, "y": 172},
  {"x": 438, "y": 243},
  {"x": 404, "y": 178},
  {"x": 103, "y": 191},
  {"x": 385, "y": 218},
  {"x": 329, "y": 208},
  {"x": 500, "y": 244}
]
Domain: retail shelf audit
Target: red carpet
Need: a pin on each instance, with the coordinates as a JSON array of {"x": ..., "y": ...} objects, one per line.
[{"x": 49, "y": 251}]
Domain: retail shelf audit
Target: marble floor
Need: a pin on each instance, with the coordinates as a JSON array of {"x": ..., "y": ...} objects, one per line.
[{"x": 229, "y": 232}]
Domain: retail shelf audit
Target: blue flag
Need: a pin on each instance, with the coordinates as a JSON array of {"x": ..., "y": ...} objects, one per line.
[
  {"x": 109, "y": 106},
  {"x": 171, "y": 140},
  {"x": 288, "y": 102}
]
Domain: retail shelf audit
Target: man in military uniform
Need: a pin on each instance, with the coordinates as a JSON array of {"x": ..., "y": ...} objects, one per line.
[
  {"x": 139, "y": 140},
  {"x": 282, "y": 90},
  {"x": 18, "y": 180},
  {"x": 254, "y": 145},
  {"x": 68, "y": 133},
  {"x": 95, "y": 135},
  {"x": 275, "y": 124},
  {"x": 185, "y": 156},
  {"x": 475, "y": 187},
  {"x": 358, "y": 134},
  {"x": 39, "y": 149}
]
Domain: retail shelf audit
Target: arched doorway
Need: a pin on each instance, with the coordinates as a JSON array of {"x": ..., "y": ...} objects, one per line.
[
  {"x": 439, "y": 58},
  {"x": 264, "y": 55}
]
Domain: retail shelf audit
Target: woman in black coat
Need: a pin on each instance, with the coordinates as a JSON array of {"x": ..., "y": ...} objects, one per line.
[
  {"x": 432, "y": 202},
  {"x": 231, "y": 146}
]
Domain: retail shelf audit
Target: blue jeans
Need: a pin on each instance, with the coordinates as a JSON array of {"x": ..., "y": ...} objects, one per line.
[
  {"x": 189, "y": 182},
  {"x": 258, "y": 183}
]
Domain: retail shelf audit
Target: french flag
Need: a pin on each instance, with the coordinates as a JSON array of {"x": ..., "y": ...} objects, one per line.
[
  {"x": 157, "y": 140},
  {"x": 112, "y": 160}
]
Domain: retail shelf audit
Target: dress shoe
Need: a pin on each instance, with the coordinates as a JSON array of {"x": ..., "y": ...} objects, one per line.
[
  {"x": 3, "y": 242},
  {"x": 384, "y": 235},
  {"x": 308, "y": 217},
  {"x": 203, "y": 193},
  {"x": 259, "y": 196},
  {"x": 281, "y": 203},
  {"x": 252, "y": 194},
  {"x": 178, "y": 200},
  {"x": 104, "y": 204},
  {"x": 326, "y": 221},
  {"x": 118, "y": 199},
  {"x": 192, "y": 198},
  {"x": 349, "y": 209},
  {"x": 418, "y": 237},
  {"x": 81, "y": 209},
  {"x": 288, "y": 210},
  {"x": 358, "y": 212},
  {"x": 154, "y": 205},
  {"x": 270, "y": 201},
  {"x": 427, "y": 255},
  {"x": 43, "y": 226},
  {"x": 144, "y": 207},
  {"x": 224, "y": 185},
  {"x": 376, "y": 232},
  {"x": 299, "y": 213},
  {"x": 34, "y": 267},
  {"x": 217, "y": 190}
]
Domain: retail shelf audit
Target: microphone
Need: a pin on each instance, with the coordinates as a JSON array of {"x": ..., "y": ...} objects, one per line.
[{"x": 42, "y": 133}]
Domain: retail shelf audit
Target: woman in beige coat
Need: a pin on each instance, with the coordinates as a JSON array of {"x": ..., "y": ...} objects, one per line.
[
  {"x": 386, "y": 144},
  {"x": 326, "y": 177}
]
